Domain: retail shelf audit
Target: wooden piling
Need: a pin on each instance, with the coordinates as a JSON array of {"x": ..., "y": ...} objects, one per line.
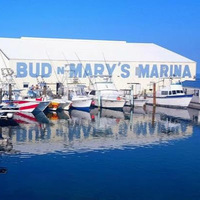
[
  {"x": 154, "y": 94},
  {"x": 10, "y": 92},
  {"x": 1, "y": 95}
]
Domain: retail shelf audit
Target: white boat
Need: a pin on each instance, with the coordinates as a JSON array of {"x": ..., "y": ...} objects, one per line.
[
  {"x": 171, "y": 96},
  {"x": 78, "y": 96},
  {"x": 105, "y": 94},
  {"x": 138, "y": 101}
]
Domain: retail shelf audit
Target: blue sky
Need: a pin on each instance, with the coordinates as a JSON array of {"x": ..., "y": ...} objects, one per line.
[{"x": 173, "y": 24}]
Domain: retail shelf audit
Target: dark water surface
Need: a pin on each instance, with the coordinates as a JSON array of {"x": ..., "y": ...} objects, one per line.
[{"x": 102, "y": 155}]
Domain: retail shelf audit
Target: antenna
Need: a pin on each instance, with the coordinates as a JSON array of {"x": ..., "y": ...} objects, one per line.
[
  {"x": 83, "y": 68},
  {"x": 52, "y": 65}
]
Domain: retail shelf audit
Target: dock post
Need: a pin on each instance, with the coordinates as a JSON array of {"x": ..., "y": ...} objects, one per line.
[
  {"x": 154, "y": 94},
  {"x": 153, "y": 116},
  {"x": 99, "y": 100},
  {"x": 145, "y": 93},
  {"x": 45, "y": 91},
  {"x": 10, "y": 92},
  {"x": 132, "y": 96},
  {"x": 1, "y": 95}
]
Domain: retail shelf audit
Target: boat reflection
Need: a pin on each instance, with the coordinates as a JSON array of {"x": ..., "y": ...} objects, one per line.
[{"x": 79, "y": 131}]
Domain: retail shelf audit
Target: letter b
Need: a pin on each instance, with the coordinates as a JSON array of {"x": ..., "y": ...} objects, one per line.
[{"x": 21, "y": 70}]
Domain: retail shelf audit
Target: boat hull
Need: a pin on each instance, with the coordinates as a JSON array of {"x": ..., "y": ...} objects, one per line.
[
  {"x": 181, "y": 101},
  {"x": 110, "y": 103},
  {"x": 25, "y": 105},
  {"x": 81, "y": 103},
  {"x": 137, "y": 102}
]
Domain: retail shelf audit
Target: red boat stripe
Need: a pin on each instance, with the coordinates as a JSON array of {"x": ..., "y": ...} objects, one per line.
[{"x": 21, "y": 102}]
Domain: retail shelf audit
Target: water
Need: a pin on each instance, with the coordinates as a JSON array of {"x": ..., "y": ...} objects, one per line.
[{"x": 102, "y": 155}]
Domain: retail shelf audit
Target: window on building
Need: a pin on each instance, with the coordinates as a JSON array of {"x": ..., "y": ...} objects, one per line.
[{"x": 25, "y": 85}]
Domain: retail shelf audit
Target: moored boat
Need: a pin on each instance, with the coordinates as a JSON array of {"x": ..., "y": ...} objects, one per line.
[
  {"x": 80, "y": 100},
  {"x": 135, "y": 100},
  {"x": 105, "y": 94},
  {"x": 171, "y": 96},
  {"x": 24, "y": 105}
]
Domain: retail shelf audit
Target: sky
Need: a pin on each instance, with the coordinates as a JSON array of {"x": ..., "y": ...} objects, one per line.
[{"x": 173, "y": 24}]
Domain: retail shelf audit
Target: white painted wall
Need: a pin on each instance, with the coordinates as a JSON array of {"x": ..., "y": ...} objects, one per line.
[{"x": 121, "y": 77}]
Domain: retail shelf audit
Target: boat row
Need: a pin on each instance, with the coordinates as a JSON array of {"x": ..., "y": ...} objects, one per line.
[{"x": 102, "y": 93}]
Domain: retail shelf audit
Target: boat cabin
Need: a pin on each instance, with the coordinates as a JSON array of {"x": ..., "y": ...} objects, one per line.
[{"x": 172, "y": 90}]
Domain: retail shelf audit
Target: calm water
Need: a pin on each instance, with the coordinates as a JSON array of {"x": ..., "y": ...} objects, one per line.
[{"x": 101, "y": 155}]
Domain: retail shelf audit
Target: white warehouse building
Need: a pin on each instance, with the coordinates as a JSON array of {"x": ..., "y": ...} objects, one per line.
[{"x": 49, "y": 59}]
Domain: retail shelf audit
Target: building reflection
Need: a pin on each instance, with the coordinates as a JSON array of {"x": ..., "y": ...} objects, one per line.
[{"x": 78, "y": 131}]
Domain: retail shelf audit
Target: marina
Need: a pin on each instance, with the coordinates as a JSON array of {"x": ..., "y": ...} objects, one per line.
[{"x": 99, "y": 100}]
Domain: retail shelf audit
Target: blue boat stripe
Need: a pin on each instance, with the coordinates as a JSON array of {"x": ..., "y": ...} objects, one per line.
[{"x": 178, "y": 96}]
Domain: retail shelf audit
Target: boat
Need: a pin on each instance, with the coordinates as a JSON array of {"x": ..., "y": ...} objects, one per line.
[
  {"x": 105, "y": 94},
  {"x": 171, "y": 96},
  {"x": 11, "y": 95},
  {"x": 136, "y": 100},
  {"x": 43, "y": 102},
  {"x": 80, "y": 100},
  {"x": 46, "y": 99},
  {"x": 24, "y": 105}
]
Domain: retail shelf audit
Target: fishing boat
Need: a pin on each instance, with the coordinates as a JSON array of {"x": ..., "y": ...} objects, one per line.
[
  {"x": 24, "y": 105},
  {"x": 36, "y": 96},
  {"x": 105, "y": 94},
  {"x": 171, "y": 96},
  {"x": 131, "y": 99},
  {"x": 11, "y": 95},
  {"x": 80, "y": 100},
  {"x": 46, "y": 99}
]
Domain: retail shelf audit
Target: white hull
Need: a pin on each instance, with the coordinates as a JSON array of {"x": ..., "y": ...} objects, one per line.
[
  {"x": 67, "y": 107},
  {"x": 171, "y": 102},
  {"x": 81, "y": 102},
  {"x": 64, "y": 105},
  {"x": 110, "y": 103},
  {"x": 137, "y": 102}
]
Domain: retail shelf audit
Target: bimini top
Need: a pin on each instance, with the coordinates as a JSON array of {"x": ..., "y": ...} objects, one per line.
[
  {"x": 191, "y": 84},
  {"x": 85, "y": 50}
]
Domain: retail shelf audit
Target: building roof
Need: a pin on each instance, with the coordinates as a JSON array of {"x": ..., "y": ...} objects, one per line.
[
  {"x": 191, "y": 84},
  {"x": 86, "y": 50}
]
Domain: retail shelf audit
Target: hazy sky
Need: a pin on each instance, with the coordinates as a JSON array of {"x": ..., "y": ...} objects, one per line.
[{"x": 173, "y": 24}]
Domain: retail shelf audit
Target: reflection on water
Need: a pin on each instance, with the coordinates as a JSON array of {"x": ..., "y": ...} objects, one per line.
[{"x": 79, "y": 131}]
